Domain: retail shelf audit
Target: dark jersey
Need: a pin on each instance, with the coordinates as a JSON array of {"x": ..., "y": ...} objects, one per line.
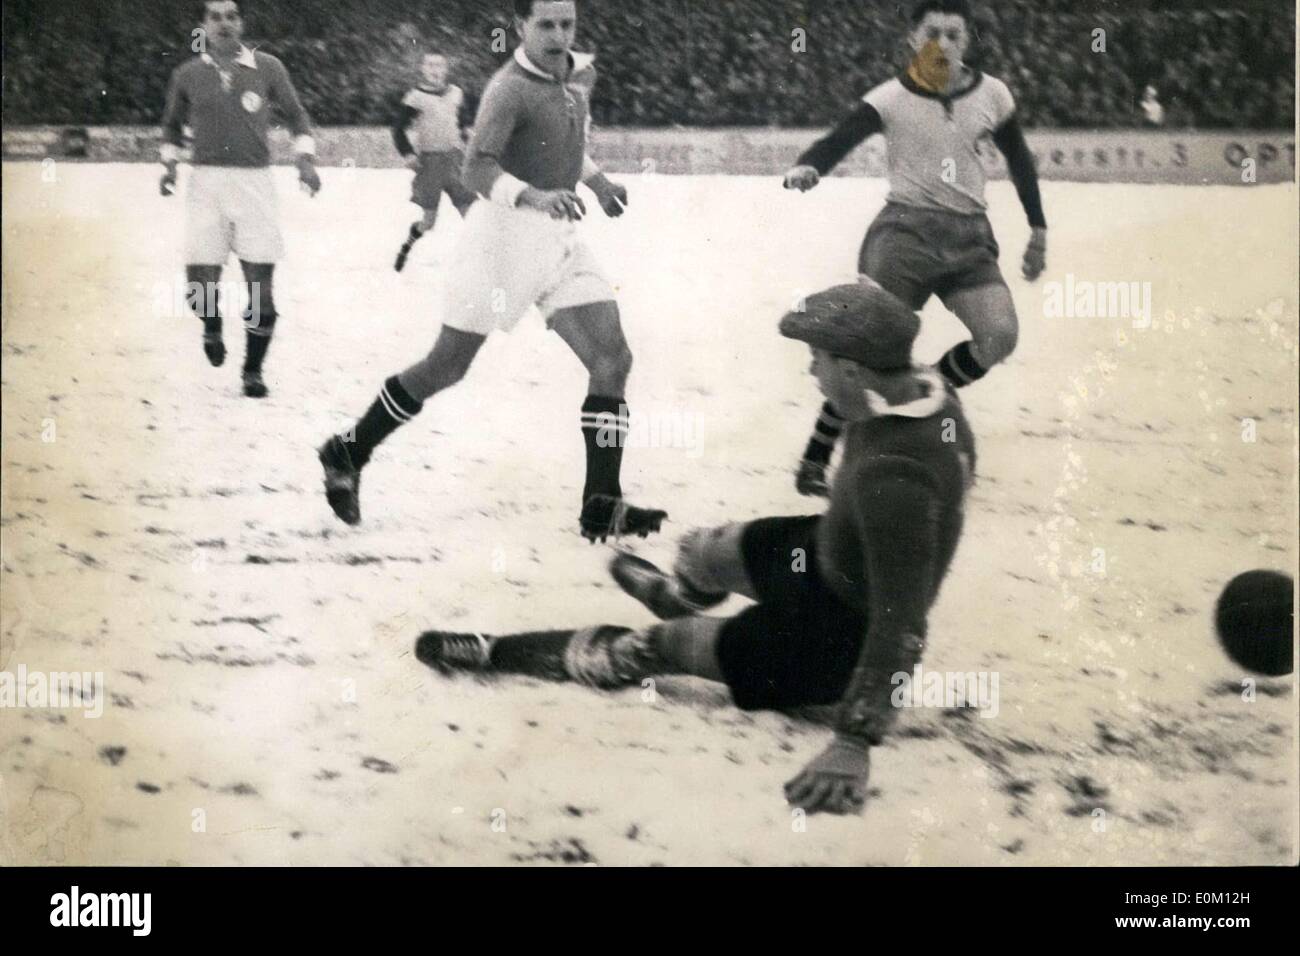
[
  {"x": 889, "y": 536},
  {"x": 229, "y": 110},
  {"x": 531, "y": 126}
]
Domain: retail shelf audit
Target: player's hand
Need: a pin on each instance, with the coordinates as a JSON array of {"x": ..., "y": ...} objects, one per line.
[
  {"x": 612, "y": 196},
  {"x": 1035, "y": 255},
  {"x": 802, "y": 178},
  {"x": 167, "y": 185},
  {"x": 835, "y": 781},
  {"x": 413, "y": 162},
  {"x": 308, "y": 176},
  {"x": 556, "y": 203}
]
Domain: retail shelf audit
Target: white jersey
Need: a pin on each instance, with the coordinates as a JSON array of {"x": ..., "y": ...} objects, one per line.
[
  {"x": 436, "y": 124},
  {"x": 934, "y": 141}
]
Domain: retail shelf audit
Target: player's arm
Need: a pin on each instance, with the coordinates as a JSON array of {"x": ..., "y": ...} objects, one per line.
[
  {"x": 612, "y": 196},
  {"x": 1010, "y": 139},
  {"x": 299, "y": 123},
  {"x": 466, "y": 113},
  {"x": 175, "y": 114},
  {"x": 898, "y": 523},
  {"x": 498, "y": 116},
  {"x": 827, "y": 153},
  {"x": 403, "y": 117}
]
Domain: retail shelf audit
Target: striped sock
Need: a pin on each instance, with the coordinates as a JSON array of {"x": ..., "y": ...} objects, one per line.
[
  {"x": 604, "y": 431},
  {"x": 825, "y": 435},
  {"x": 393, "y": 408},
  {"x": 960, "y": 367}
]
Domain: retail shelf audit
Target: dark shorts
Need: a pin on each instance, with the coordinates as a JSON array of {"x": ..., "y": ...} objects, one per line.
[
  {"x": 439, "y": 173},
  {"x": 916, "y": 253},
  {"x": 799, "y": 645}
]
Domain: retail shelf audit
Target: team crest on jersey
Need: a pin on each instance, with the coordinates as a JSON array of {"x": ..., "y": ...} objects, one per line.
[{"x": 251, "y": 101}]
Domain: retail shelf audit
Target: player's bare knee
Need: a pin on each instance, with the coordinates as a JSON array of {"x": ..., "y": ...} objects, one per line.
[
  {"x": 610, "y": 371},
  {"x": 622, "y": 362},
  {"x": 1001, "y": 340},
  {"x": 994, "y": 339},
  {"x": 454, "y": 373},
  {"x": 710, "y": 560}
]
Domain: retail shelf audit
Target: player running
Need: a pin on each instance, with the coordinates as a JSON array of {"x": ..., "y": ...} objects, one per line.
[
  {"x": 842, "y": 597},
  {"x": 435, "y": 112},
  {"x": 932, "y": 237},
  {"x": 518, "y": 249},
  {"x": 225, "y": 95}
]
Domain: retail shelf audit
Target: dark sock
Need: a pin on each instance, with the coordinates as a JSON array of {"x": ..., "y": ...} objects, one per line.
[
  {"x": 417, "y": 230},
  {"x": 825, "y": 435},
  {"x": 393, "y": 408},
  {"x": 960, "y": 367},
  {"x": 257, "y": 341},
  {"x": 604, "y": 430},
  {"x": 605, "y": 656},
  {"x": 201, "y": 293},
  {"x": 539, "y": 654}
]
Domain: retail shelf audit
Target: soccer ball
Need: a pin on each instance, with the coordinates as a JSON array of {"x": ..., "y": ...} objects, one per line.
[{"x": 1255, "y": 618}]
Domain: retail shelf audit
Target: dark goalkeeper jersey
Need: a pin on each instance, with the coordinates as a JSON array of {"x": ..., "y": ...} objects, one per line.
[{"x": 889, "y": 536}]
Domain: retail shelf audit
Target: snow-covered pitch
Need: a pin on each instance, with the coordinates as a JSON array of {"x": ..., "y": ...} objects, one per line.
[{"x": 261, "y": 701}]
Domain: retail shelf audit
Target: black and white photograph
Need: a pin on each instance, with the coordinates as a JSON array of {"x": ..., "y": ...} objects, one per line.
[{"x": 597, "y": 433}]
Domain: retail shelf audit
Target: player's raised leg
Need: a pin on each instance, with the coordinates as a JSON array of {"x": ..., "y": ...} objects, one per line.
[
  {"x": 990, "y": 314},
  {"x": 594, "y": 333},
  {"x": 710, "y": 565},
  {"x": 399, "y": 401}
]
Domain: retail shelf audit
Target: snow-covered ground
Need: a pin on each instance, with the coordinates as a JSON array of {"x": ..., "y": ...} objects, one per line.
[{"x": 263, "y": 703}]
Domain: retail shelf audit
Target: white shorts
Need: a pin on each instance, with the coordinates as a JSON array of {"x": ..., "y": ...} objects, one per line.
[
  {"x": 231, "y": 208},
  {"x": 510, "y": 259}
]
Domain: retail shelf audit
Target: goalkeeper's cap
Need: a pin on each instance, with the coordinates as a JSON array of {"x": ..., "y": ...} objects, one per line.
[{"x": 858, "y": 321}]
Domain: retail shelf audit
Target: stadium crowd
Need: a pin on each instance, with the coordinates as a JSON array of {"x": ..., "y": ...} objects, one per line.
[{"x": 1213, "y": 64}]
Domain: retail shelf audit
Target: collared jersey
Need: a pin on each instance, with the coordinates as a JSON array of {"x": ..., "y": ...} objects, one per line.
[
  {"x": 889, "y": 536},
  {"x": 935, "y": 141},
  {"x": 936, "y": 447},
  {"x": 532, "y": 126},
  {"x": 229, "y": 110}
]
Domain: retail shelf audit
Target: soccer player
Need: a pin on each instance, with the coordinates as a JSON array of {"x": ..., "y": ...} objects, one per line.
[
  {"x": 436, "y": 111},
  {"x": 518, "y": 249},
  {"x": 842, "y": 598},
  {"x": 932, "y": 237},
  {"x": 226, "y": 95}
]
